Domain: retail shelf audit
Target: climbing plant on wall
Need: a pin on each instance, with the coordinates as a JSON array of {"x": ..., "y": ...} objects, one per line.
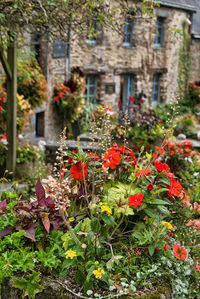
[{"x": 184, "y": 61}]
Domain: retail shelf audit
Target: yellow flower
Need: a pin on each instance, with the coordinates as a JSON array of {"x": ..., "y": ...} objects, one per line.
[
  {"x": 98, "y": 273},
  {"x": 106, "y": 209},
  {"x": 70, "y": 254},
  {"x": 167, "y": 225},
  {"x": 64, "y": 244}
]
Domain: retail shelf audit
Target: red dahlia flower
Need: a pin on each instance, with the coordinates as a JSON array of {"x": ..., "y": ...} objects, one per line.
[
  {"x": 78, "y": 171},
  {"x": 135, "y": 200},
  {"x": 180, "y": 252}
]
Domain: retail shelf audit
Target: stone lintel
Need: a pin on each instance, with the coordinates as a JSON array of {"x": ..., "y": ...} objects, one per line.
[{"x": 121, "y": 71}]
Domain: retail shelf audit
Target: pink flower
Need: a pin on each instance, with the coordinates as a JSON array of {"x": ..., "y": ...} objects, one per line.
[
  {"x": 198, "y": 267},
  {"x": 195, "y": 223}
]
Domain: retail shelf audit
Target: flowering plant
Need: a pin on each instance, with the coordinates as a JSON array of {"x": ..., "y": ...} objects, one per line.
[
  {"x": 119, "y": 217},
  {"x": 31, "y": 83},
  {"x": 69, "y": 96}
]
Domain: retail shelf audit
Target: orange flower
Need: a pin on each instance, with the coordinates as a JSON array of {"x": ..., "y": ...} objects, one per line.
[
  {"x": 180, "y": 252},
  {"x": 79, "y": 171}
]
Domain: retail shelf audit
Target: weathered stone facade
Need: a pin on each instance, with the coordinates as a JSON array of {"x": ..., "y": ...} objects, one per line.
[
  {"x": 112, "y": 62},
  {"x": 195, "y": 60}
]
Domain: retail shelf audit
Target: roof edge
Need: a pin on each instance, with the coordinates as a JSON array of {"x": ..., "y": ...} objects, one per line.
[{"x": 176, "y": 5}]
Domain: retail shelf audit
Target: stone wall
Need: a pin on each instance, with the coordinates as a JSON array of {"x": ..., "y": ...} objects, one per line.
[
  {"x": 195, "y": 60},
  {"x": 109, "y": 58}
]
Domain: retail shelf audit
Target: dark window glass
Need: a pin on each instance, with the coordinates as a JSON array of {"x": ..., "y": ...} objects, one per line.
[
  {"x": 90, "y": 93},
  {"x": 159, "y": 38},
  {"x": 156, "y": 89},
  {"x": 127, "y": 89},
  {"x": 128, "y": 31},
  {"x": 39, "y": 124}
]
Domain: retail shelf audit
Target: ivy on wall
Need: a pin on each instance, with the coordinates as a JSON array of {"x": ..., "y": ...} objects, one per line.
[{"x": 184, "y": 61}]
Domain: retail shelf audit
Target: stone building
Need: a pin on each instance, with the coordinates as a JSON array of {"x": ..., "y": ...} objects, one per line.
[{"x": 143, "y": 59}]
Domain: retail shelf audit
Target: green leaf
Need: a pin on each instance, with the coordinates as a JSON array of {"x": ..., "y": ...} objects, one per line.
[
  {"x": 163, "y": 210},
  {"x": 109, "y": 220},
  {"x": 11, "y": 194},
  {"x": 95, "y": 225},
  {"x": 79, "y": 277},
  {"x": 149, "y": 157},
  {"x": 67, "y": 263},
  {"x": 29, "y": 287},
  {"x": 151, "y": 213},
  {"x": 164, "y": 180},
  {"x": 161, "y": 190},
  {"x": 158, "y": 202},
  {"x": 151, "y": 249},
  {"x": 88, "y": 285}
]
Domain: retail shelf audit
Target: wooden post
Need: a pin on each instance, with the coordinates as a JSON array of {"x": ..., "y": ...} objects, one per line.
[{"x": 11, "y": 107}]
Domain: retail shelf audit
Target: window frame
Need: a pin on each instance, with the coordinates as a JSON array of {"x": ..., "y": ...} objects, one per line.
[
  {"x": 93, "y": 39},
  {"x": 127, "y": 90},
  {"x": 160, "y": 30},
  {"x": 128, "y": 32},
  {"x": 156, "y": 88},
  {"x": 88, "y": 96}
]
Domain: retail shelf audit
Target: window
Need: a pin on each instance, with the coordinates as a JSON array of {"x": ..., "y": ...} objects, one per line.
[
  {"x": 90, "y": 93},
  {"x": 127, "y": 90},
  {"x": 39, "y": 124},
  {"x": 92, "y": 32},
  {"x": 35, "y": 46},
  {"x": 128, "y": 32},
  {"x": 159, "y": 38},
  {"x": 156, "y": 89}
]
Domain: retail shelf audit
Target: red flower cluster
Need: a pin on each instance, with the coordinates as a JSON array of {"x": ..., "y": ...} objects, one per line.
[
  {"x": 175, "y": 188},
  {"x": 60, "y": 92},
  {"x": 135, "y": 200},
  {"x": 112, "y": 157},
  {"x": 143, "y": 172},
  {"x": 180, "y": 252},
  {"x": 161, "y": 166},
  {"x": 79, "y": 171}
]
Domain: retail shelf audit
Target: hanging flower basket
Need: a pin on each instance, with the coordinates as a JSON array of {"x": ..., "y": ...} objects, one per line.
[{"x": 69, "y": 96}]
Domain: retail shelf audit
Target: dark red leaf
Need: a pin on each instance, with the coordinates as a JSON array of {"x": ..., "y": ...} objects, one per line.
[
  {"x": 50, "y": 202},
  {"x": 40, "y": 193},
  {"x": 45, "y": 221},
  {"x": 3, "y": 205},
  {"x": 30, "y": 230},
  {"x": 55, "y": 224},
  {"x": 5, "y": 232}
]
